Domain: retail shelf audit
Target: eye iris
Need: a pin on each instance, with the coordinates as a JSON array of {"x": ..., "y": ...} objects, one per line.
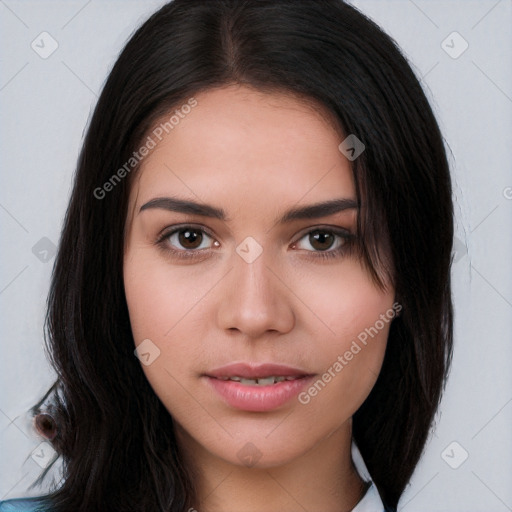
[
  {"x": 324, "y": 238},
  {"x": 189, "y": 236}
]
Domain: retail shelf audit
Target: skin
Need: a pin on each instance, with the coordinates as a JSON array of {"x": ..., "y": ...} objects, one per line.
[{"x": 255, "y": 155}]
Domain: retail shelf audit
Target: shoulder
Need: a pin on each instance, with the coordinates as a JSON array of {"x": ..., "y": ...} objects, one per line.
[{"x": 24, "y": 505}]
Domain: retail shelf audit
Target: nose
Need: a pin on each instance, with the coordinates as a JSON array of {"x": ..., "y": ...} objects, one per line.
[{"x": 255, "y": 299}]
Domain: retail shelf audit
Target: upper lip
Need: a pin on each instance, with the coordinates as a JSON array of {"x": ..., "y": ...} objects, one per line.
[{"x": 255, "y": 371}]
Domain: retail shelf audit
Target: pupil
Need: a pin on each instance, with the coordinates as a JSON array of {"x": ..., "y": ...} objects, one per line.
[
  {"x": 189, "y": 237},
  {"x": 323, "y": 238}
]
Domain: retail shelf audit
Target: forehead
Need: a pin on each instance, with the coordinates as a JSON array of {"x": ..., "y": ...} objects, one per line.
[{"x": 240, "y": 145}]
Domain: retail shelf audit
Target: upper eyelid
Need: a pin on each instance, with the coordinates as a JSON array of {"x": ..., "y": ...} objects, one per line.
[
  {"x": 177, "y": 227},
  {"x": 324, "y": 227}
]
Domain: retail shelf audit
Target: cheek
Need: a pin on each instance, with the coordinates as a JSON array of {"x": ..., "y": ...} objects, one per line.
[
  {"x": 158, "y": 298},
  {"x": 341, "y": 303},
  {"x": 167, "y": 306},
  {"x": 356, "y": 318},
  {"x": 159, "y": 304}
]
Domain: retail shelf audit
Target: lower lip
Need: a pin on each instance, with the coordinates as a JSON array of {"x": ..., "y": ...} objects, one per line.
[{"x": 258, "y": 398}]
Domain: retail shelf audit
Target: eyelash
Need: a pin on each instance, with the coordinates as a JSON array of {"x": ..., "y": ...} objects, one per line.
[{"x": 346, "y": 246}]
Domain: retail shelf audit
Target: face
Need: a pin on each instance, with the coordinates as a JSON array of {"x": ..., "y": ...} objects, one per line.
[{"x": 262, "y": 331}]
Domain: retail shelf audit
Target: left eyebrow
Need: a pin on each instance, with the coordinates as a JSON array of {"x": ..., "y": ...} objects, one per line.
[
  {"x": 315, "y": 211},
  {"x": 312, "y": 211}
]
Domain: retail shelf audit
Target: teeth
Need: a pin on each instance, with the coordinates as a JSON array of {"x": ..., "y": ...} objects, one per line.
[
  {"x": 249, "y": 382},
  {"x": 263, "y": 381},
  {"x": 267, "y": 381}
]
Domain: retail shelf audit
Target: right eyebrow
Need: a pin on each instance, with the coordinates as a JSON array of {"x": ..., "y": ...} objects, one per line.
[{"x": 174, "y": 204}]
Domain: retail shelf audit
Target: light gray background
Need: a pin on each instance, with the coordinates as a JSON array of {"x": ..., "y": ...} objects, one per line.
[{"x": 46, "y": 103}]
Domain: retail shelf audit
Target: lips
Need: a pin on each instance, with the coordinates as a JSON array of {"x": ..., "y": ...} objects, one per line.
[{"x": 257, "y": 387}]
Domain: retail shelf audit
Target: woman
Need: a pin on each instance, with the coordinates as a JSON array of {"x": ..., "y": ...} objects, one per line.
[{"x": 247, "y": 296}]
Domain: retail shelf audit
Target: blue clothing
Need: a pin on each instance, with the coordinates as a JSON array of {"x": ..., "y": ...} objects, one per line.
[{"x": 23, "y": 505}]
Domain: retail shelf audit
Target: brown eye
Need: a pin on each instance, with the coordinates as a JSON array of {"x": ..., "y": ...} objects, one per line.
[
  {"x": 326, "y": 243},
  {"x": 321, "y": 240},
  {"x": 190, "y": 238},
  {"x": 187, "y": 240}
]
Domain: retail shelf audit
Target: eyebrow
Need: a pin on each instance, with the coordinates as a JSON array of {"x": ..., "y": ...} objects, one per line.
[{"x": 312, "y": 211}]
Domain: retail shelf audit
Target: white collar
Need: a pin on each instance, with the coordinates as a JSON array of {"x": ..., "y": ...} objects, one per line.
[{"x": 371, "y": 501}]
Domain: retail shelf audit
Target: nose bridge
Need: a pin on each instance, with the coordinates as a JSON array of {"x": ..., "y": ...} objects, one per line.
[
  {"x": 254, "y": 299},
  {"x": 254, "y": 279}
]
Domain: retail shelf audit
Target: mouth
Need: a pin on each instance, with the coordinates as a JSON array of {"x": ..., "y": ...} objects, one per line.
[
  {"x": 259, "y": 381},
  {"x": 257, "y": 388}
]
